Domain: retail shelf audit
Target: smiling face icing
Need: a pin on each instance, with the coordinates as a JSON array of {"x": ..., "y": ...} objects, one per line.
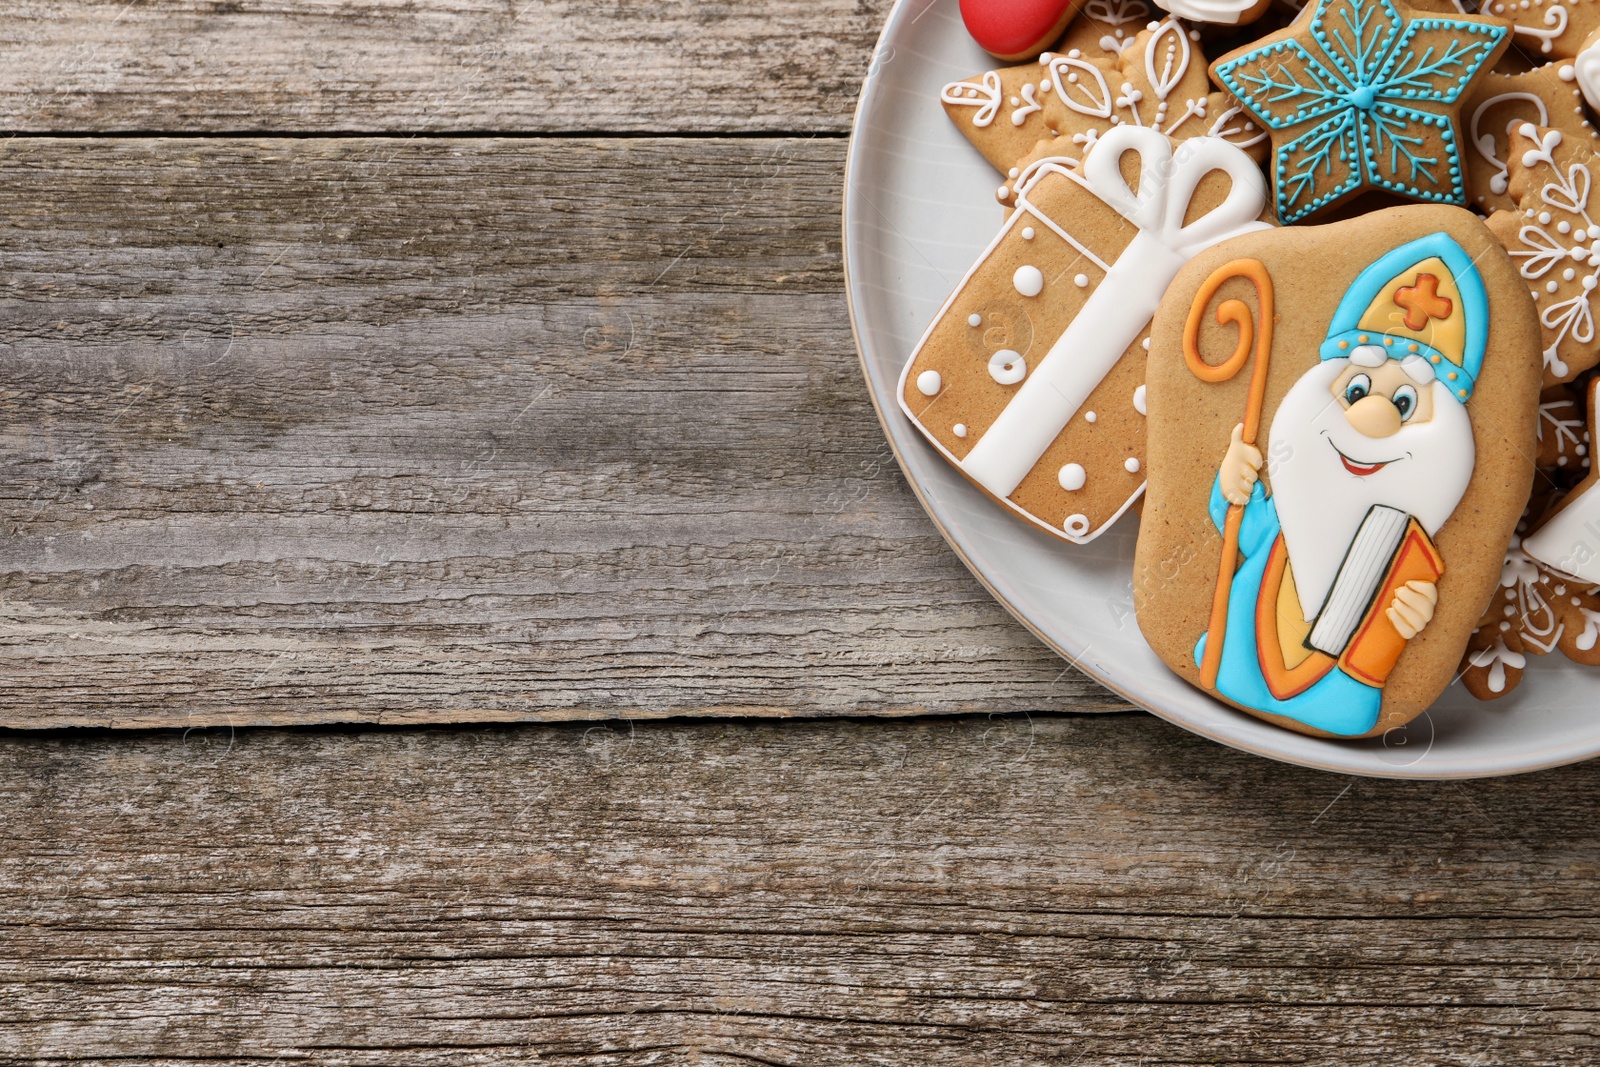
[{"x": 1369, "y": 454}]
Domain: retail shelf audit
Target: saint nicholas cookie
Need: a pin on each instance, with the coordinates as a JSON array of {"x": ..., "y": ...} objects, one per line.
[
  {"x": 1363, "y": 95},
  {"x": 1031, "y": 378},
  {"x": 1340, "y": 443}
]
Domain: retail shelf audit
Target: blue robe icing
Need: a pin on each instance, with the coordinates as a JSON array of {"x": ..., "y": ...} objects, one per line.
[{"x": 1337, "y": 702}]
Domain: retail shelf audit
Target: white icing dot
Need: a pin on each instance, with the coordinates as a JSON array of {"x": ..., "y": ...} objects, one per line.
[
  {"x": 1544, "y": 218},
  {"x": 1003, "y": 192},
  {"x": 1012, "y": 173},
  {"x": 1504, "y": 627},
  {"x": 1550, "y": 286},
  {"x": 1027, "y": 233},
  {"x": 1029, "y": 280},
  {"x": 1569, "y": 274},
  {"x": 974, "y": 319},
  {"x": 1089, "y": 416},
  {"x": 1566, "y": 72},
  {"x": 1563, "y": 227},
  {"x": 1076, "y": 525},
  {"x": 959, "y": 429},
  {"x": 1131, "y": 465},
  {"x": 1007, "y": 367},
  {"x": 1138, "y": 401},
  {"x": 928, "y": 382},
  {"x": 1081, "y": 281},
  {"x": 1588, "y": 283},
  {"x": 1145, "y": 344},
  {"x": 1072, "y": 477}
]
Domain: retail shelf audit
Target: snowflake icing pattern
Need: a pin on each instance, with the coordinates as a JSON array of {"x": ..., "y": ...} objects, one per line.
[{"x": 1374, "y": 110}]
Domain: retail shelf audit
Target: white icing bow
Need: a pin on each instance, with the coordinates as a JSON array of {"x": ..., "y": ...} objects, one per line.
[
  {"x": 1126, "y": 298},
  {"x": 1168, "y": 179}
]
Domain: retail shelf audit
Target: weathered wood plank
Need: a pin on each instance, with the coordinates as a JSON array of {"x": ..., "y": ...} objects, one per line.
[
  {"x": 504, "y": 66},
  {"x": 306, "y": 430},
  {"x": 1103, "y": 890}
]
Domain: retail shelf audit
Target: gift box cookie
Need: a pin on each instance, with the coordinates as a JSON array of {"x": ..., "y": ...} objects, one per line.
[
  {"x": 1030, "y": 378},
  {"x": 1341, "y": 442}
]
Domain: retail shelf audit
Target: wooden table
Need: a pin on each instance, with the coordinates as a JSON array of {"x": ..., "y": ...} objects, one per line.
[{"x": 387, "y": 362}]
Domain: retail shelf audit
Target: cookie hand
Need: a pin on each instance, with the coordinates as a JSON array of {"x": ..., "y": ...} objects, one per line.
[
  {"x": 1413, "y": 607},
  {"x": 1240, "y": 469}
]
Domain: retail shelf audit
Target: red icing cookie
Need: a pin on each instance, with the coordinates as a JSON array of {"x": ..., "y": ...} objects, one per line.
[{"x": 1016, "y": 29}]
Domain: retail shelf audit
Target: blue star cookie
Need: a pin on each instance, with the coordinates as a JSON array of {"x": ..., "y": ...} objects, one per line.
[{"x": 1363, "y": 94}]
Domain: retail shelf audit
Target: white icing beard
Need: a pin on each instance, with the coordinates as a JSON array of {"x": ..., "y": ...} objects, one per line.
[{"x": 1321, "y": 503}]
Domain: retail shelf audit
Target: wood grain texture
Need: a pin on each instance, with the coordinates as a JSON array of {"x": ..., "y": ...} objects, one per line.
[
  {"x": 1045, "y": 891},
  {"x": 389, "y": 430},
  {"x": 407, "y": 66}
]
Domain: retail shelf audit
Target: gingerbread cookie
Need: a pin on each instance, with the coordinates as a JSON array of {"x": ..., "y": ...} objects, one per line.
[
  {"x": 1545, "y": 96},
  {"x": 1564, "y": 435},
  {"x": 1567, "y": 540},
  {"x": 1536, "y": 612},
  {"x": 1103, "y": 28},
  {"x": 1340, "y": 444},
  {"x": 1363, "y": 95},
  {"x": 1058, "y": 106},
  {"x": 1547, "y": 29},
  {"x": 1552, "y": 239},
  {"x": 1031, "y": 378}
]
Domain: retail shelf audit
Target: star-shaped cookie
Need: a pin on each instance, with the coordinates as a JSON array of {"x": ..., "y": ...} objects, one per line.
[{"x": 1363, "y": 95}]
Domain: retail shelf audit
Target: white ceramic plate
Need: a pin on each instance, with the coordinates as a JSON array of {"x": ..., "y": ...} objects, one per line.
[{"x": 918, "y": 208}]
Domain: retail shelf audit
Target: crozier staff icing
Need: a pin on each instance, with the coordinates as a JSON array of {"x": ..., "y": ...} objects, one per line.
[{"x": 1373, "y": 449}]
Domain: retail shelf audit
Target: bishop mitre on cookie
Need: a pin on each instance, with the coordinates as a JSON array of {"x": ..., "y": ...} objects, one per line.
[{"x": 1328, "y": 506}]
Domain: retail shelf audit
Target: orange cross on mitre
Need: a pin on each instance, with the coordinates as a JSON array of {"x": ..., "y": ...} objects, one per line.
[{"x": 1422, "y": 302}]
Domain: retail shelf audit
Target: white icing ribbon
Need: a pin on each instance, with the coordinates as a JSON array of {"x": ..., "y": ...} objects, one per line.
[{"x": 1126, "y": 299}]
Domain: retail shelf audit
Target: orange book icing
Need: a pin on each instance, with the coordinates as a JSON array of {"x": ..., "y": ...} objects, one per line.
[{"x": 1376, "y": 646}]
